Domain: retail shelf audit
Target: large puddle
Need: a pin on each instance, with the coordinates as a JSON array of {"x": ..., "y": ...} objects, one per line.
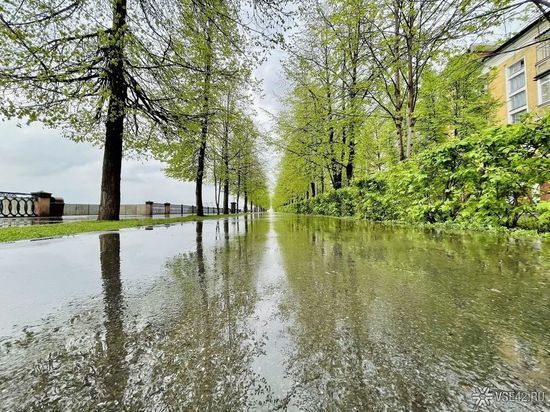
[{"x": 274, "y": 312}]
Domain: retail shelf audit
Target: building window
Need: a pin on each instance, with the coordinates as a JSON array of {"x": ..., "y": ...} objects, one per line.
[
  {"x": 517, "y": 93},
  {"x": 516, "y": 117},
  {"x": 543, "y": 49},
  {"x": 544, "y": 89}
]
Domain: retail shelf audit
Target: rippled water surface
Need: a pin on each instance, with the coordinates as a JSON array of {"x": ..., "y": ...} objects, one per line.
[{"x": 273, "y": 312}]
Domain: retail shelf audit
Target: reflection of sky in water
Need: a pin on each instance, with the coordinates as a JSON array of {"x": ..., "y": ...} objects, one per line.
[
  {"x": 42, "y": 277},
  {"x": 274, "y": 312},
  {"x": 29, "y": 221}
]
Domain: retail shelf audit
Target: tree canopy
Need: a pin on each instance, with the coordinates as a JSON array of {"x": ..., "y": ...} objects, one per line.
[
  {"x": 374, "y": 83},
  {"x": 125, "y": 74}
]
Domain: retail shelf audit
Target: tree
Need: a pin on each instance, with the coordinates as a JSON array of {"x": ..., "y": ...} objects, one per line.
[
  {"x": 311, "y": 125},
  {"x": 367, "y": 90},
  {"x": 204, "y": 48},
  {"x": 419, "y": 32},
  {"x": 292, "y": 181},
  {"x": 110, "y": 72},
  {"x": 219, "y": 44},
  {"x": 455, "y": 101},
  {"x": 65, "y": 66}
]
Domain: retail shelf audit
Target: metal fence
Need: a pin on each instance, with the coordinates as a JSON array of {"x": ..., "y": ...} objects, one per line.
[
  {"x": 14, "y": 204},
  {"x": 209, "y": 210},
  {"x": 182, "y": 210},
  {"x": 157, "y": 209},
  {"x": 20, "y": 205}
]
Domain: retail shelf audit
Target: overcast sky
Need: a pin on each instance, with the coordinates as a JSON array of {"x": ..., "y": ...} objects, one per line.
[{"x": 35, "y": 158}]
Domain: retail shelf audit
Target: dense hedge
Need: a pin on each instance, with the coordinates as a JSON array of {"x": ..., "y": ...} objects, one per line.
[{"x": 486, "y": 180}]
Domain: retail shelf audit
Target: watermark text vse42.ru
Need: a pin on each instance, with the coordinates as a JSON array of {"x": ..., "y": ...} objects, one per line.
[{"x": 486, "y": 396}]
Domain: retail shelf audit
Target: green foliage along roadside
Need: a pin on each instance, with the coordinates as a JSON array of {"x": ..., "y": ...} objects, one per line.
[{"x": 489, "y": 179}]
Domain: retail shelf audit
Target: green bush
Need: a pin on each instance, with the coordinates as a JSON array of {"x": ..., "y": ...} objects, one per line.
[
  {"x": 341, "y": 202},
  {"x": 486, "y": 180}
]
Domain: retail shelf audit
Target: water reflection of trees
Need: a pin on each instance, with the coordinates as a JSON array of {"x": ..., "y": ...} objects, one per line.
[
  {"x": 203, "y": 361},
  {"x": 395, "y": 318},
  {"x": 192, "y": 351},
  {"x": 77, "y": 364},
  {"x": 114, "y": 370}
]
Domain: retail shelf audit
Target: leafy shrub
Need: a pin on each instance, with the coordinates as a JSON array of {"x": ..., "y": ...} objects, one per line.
[
  {"x": 487, "y": 179},
  {"x": 333, "y": 203}
]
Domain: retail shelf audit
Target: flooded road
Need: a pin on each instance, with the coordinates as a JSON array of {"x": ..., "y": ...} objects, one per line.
[{"x": 274, "y": 312}]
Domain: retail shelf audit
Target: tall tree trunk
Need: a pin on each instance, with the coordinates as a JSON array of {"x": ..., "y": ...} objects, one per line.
[
  {"x": 313, "y": 189},
  {"x": 226, "y": 196},
  {"x": 200, "y": 172},
  {"x": 226, "y": 174},
  {"x": 245, "y": 201},
  {"x": 239, "y": 171},
  {"x": 352, "y": 129},
  {"x": 410, "y": 131},
  {"x": 351, "y": 159},
  {"x": 337, "y": 179},
  {"x": 349, "y": 172},
  {"x": 225, "y": 157},
  {"x": 399, "y": 130},
  {"x": 216, "y": 197},
  {"x": 216, "y": 191},
  {"x": 204, "y": 127},
  {"x": 335, "y": 168},
  {"x": 398, "y": 94},
  {"x": 411, "y": 77},
  {"x": 109, "y": 208},
  {"x": 354, "y": 62}
]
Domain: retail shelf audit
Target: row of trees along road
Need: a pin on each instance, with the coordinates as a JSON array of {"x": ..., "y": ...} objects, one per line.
[
  {"x": 135, "y": 76},
  {"x": 374, "y": 81},
  {"x": 221, "y": 145}
]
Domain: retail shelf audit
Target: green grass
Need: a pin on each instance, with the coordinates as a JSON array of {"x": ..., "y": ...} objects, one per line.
[{"x": 11, "y": 234}]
